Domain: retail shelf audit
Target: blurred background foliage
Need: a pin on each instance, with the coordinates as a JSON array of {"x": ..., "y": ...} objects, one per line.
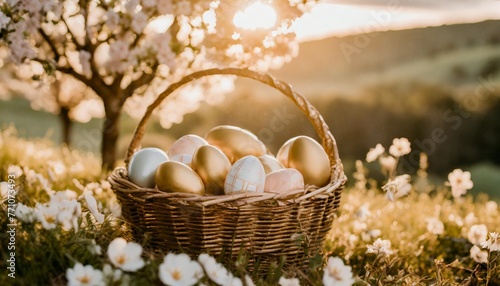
[{"x": 438, "y": 86}]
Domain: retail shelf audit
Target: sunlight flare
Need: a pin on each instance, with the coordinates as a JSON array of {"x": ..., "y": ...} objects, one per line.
[{"x": 255, "y": 16}]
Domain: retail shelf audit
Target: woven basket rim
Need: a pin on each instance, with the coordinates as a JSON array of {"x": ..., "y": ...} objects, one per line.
[{"x": 121, "y": 183}]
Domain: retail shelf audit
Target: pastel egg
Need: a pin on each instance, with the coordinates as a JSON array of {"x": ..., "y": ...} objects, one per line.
[
  {"x": 310, "y": 159},
  {"x": 182, "y": 158},
  {"x": 187, "y": 144},
  {"x": 246, "y": 175},
  {"x": 270, "y": 163},
  {"x": 142, "y": 166},
  {"x": 284, "y": 181},
  {"x": 175, "y": 177},
  {"x": 212, "y": 166},
  {"x": 235, "y": 142}
]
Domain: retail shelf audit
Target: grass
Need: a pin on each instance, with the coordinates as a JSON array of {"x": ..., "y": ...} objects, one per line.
[{"x": 420, "y": 255}]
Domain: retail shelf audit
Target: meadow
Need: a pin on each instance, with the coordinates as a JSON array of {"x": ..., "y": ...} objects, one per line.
[{"x": 401, "y": 231}]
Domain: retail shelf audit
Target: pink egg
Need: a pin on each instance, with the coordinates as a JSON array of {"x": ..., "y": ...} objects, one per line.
[
  {"x": 246, "y": 175},
  {"x": 187, "y": 144},
  {"x": 284, "y": 181}
]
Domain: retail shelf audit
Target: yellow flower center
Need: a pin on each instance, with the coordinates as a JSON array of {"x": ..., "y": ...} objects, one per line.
[
  {"x": 176, "y": 274},
  {"x": 84, "y": 279},
  {"x": 335, "y": 273},
  {"x": 50, "y": 219},
  {"x": 121, "y": 259}
]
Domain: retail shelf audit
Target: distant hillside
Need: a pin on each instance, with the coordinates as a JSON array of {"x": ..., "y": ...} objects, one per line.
[{"x": 454, "y": 52}]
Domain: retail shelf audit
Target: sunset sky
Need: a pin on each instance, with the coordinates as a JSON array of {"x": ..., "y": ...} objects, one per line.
[{"x": 339, "y": 17}]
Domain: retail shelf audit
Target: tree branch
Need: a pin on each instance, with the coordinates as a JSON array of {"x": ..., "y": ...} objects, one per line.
[
  {"x": 72, "y": 36},
  {"x": 48, "y": 40},
  {"x": 144, "y": 79}
]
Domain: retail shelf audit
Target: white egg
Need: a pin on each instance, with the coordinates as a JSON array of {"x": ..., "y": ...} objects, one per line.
[
  {"x": 142, "y": 166},
  {"x": 182, "y": 158},
  {"x": 187, "y": 144},
  {"x": 284, "y": 181},
  {"x": 246, "y": 175}
]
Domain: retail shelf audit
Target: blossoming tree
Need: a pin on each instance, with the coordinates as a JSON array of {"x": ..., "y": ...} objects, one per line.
[{"x": 127, "y": 51}]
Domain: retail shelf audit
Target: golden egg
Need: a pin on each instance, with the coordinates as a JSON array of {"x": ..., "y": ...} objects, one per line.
[
  {"x": 270, "y": 163},
  {"x": 310, "y": 159},
  {"x": 282, "y": 155},
  {"x": 175, "y": 177},
  {"x": 212, "y": 166},
  {"x": 235, "y": 142}
]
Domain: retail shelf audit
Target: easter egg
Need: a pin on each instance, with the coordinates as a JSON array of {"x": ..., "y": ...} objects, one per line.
[
  {"x": 187, "y": 144},
  {"x": 175, "y": 177},
  {"x": 182, "y": 158},
  {"x": 282, "y": 155},
  {"x": 270, "y": 163},
  {"x": 284, "y": 181},
  {"x": 142, "y": 166},
  {"x": 235, "y": 142},
  {"x": 310, "y": 159},
  {"x": 212, "y": 166},
  {"x": 246, "y": 175}
]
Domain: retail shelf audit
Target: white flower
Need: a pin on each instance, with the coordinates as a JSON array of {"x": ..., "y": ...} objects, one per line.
[
  {"x": 288, "y": 281},
  {"x": 477, "y": 234},
  {"x": 398, "y": 187},
  {"x": 148, "y": 3},
  {"x": 84, "y": 275},
  {"x": 435, "y": 226},
  {"x": 69, "y": 213},
  {"x": 493, "y": 242},
  {"x": 380, "y": 246},
  {"x": 110, "y": 274},
  {"x": 336, "y": 273},
  {"x": 480, "y": 256},
  {"x": 164, "y": 7},
  {"x": 388, "y": 164},
  {"x": 92, "y": 205},
  {"x": 4, "y": 189},
  {"x": 400, "y": 147},
  {"x": 125, "y": 255},
  {"x": 460, "y": 182},
  {"x": 63, "y": 195},
  {"x": 112, "y": 19},
  {"x": 215, "y": 271},
  {"x": 25, "y": 213},
  {"x": 179, "y": 270},
  {"x": 94, "y": 248},
  {"x": 47, "y": 215},
  {"x": 374, "y": 153},
  {"x": 15, "y": 170},
  {"x": 363, "y": 212}
]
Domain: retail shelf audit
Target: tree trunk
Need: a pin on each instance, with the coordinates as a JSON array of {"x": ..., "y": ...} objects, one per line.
[
  {"x": 110, "y": 135},
  {"x": 67, "y": 125}
]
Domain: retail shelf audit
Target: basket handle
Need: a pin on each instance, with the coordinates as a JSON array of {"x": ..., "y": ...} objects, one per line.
[{"x": 328, "y": 141}]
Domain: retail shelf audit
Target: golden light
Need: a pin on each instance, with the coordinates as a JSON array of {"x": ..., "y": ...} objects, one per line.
[{"x": 255, "y": 16}]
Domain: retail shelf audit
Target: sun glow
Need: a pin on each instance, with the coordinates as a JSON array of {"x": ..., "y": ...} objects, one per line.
[{"x": 255, "y": 16}]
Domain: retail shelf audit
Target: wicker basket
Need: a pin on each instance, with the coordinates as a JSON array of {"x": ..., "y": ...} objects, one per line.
[{"x": 281, "y": 228}]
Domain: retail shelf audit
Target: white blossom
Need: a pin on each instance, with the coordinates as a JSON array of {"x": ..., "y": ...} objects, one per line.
[
  {"x": 380, "y": 246},
  {"x": 400, "y": 147},
  {"x": 47, "y": 215},
  {"x": 480, "y": 256},
  {"x": 179, "y": 270},
  {"x": 397, "y": 187},
  {"x": 125, "y": 255},
  {"x": 374, "y": 153},
  {"x": 288, "y": 281},
  {"x": 215, "y": 271},
  {"x": 388, "y": 164},
  {"x": 4, "y": 21},
  {"x": 81, "y": 275},
  {"x": 477, "y": 234},
  {"x": 460, "y": 182},
  {"x": 25, "y": 213},
  {"x": 336, "y": 273},
  {"x": 435, "y": 226},
  {"x": 92, "y": 206},
  {"x": 139, "y": 22},
  {"x": 493, "y": 242}
]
